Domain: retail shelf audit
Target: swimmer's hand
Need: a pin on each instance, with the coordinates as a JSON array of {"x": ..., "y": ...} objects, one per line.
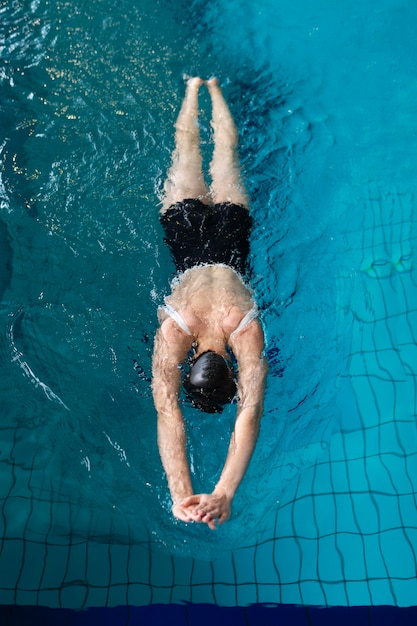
[
  {"x": 208, "y": 507},
  {"x": 184, "y": 513}
]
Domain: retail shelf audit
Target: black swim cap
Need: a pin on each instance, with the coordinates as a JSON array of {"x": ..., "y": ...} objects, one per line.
[{"x": 210, "y": 382}]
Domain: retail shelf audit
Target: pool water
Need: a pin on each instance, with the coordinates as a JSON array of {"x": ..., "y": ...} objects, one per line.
[{"x": 324, "y": 97}]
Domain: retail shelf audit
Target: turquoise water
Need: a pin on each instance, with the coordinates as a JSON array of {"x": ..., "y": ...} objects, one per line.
[{"x": 324, "y": 97}]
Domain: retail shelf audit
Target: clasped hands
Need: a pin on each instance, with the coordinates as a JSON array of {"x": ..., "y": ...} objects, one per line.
[{"x": 204, "y": 507}]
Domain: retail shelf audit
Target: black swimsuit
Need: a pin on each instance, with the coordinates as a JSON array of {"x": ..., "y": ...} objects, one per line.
[{"x": 198, "y": 233}]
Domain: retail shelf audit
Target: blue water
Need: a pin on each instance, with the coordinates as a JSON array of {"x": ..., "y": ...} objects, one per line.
[{"x": 324, "y": 97}]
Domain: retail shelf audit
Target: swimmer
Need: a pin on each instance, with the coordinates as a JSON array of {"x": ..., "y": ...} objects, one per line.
[{"x": 210, "y": 312}]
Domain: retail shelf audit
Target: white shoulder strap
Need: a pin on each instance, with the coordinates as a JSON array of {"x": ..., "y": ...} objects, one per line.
[
  {"x": 177, "y": 317},
  {"x": 246, "y": 320}
]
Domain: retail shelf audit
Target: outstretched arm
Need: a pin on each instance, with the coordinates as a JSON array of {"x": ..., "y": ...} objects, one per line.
[
  {"x": 171, "y": 429},
  {"x": 248, "y": 348}
]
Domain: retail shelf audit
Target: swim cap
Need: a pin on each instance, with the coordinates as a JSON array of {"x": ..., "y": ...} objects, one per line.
[{"x": 210, "y": 382}]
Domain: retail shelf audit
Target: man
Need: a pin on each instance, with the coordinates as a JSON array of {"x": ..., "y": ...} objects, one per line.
[{"x": 210, "y": 310}]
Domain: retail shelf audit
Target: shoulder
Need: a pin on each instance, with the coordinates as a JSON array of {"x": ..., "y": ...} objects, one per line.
[
  {"x": 232, "y": 319},
  {"x": 251, "y": 338},
  {"x": 173, "y": 335}
]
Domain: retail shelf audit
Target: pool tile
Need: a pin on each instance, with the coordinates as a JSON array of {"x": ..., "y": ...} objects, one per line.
[
  {"x": 160, "y": 569},
  {"x": 7, "y": 597},
  {"x": 117, "y": 595},
  {"x": 405, "y": 593},
  {"x": 352, "y": 546},
  {"x": 11, "y": 553},
  {"x": 268, "y": 594},
  {"x": 139, "y": 563},
  {"x": 337, "y": 448},
  {"x": 265, "y": 569},
  {"x": 374, "y": 557},
  {"x": 287, "y": 556},
  {"x": 183, "y": 568},
  {"x": 96, "y": 596},
  {"x": 313, "y": 591},
  {"x": 395, "y": 303},
  {"x": 76, "y": 563},
  {"x": 399, "y": 554},
  {"x": 329, "y": 561},
  {"x": 345, "y": 508},
  {"x": 382, "y": 592},
  {"x": 162, "y": 595},
  {"x": 55, "y": 566},
  {"x": 50, "y": 598},
  {"x": 244, "y": 565},
  {"x": 400, "y": 327},
  {"x": 408, "y": 350},
  {"x": 340, "y": 477},
  {"x": 408, "y": 512},
  {"x": 399, "y": 435},
  {"x": 308, "y": 564},
  {"x": 357, "y": 443},
  {"x": 363, "y": 389},
  {"x": 138, "y": 594},
  {"x": 302, "y": 518},
  {"x": 245, "y": 595},
  {"x": 358, "y": 479},
  {"x": 360, "y": 590},
  {"x": 388, "y": 511},
  {"x": 325, "y": 514},
  {"x": 25, "y": 597},
  {"x": 387, "y": 473},
  {"x": 97, "y": 565},
  {"x": 33, "y": 565},
  {"x": 204, "y": 594},
  {"x": 322, "y": 478},
  {"x": 291, "y": 593},
  {"x": 16, "y": 511},
  {"x": 225, "y": 594},
  {"x": 118, "y": 557},
  {"x": 73, "y": 596},
  {"x": 202, "y": 572}
]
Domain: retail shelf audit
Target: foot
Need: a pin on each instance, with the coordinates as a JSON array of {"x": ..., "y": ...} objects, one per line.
[
  {"x": 194, "y": 82},
  {"x": 212, "y": 82}
]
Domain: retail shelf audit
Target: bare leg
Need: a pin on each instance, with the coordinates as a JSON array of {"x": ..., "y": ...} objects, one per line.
[
  {"x": 226, "y": 185},
  {"x": 185, "y": 177}
]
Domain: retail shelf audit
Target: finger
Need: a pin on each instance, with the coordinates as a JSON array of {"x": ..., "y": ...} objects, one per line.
[
  {"x": 202, "y": 516},
  {"x": 183, "y": 518},
  {"x": 181, "y": 514},
  {"x": 223, "y": 518},
  {"x": 213, "y": 511},
  {"x": 212, "y": 524},
  {"x": 193, "y": 515}
]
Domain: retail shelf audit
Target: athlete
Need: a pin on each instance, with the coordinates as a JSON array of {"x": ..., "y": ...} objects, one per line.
[{"x": 211, "y": 313}]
